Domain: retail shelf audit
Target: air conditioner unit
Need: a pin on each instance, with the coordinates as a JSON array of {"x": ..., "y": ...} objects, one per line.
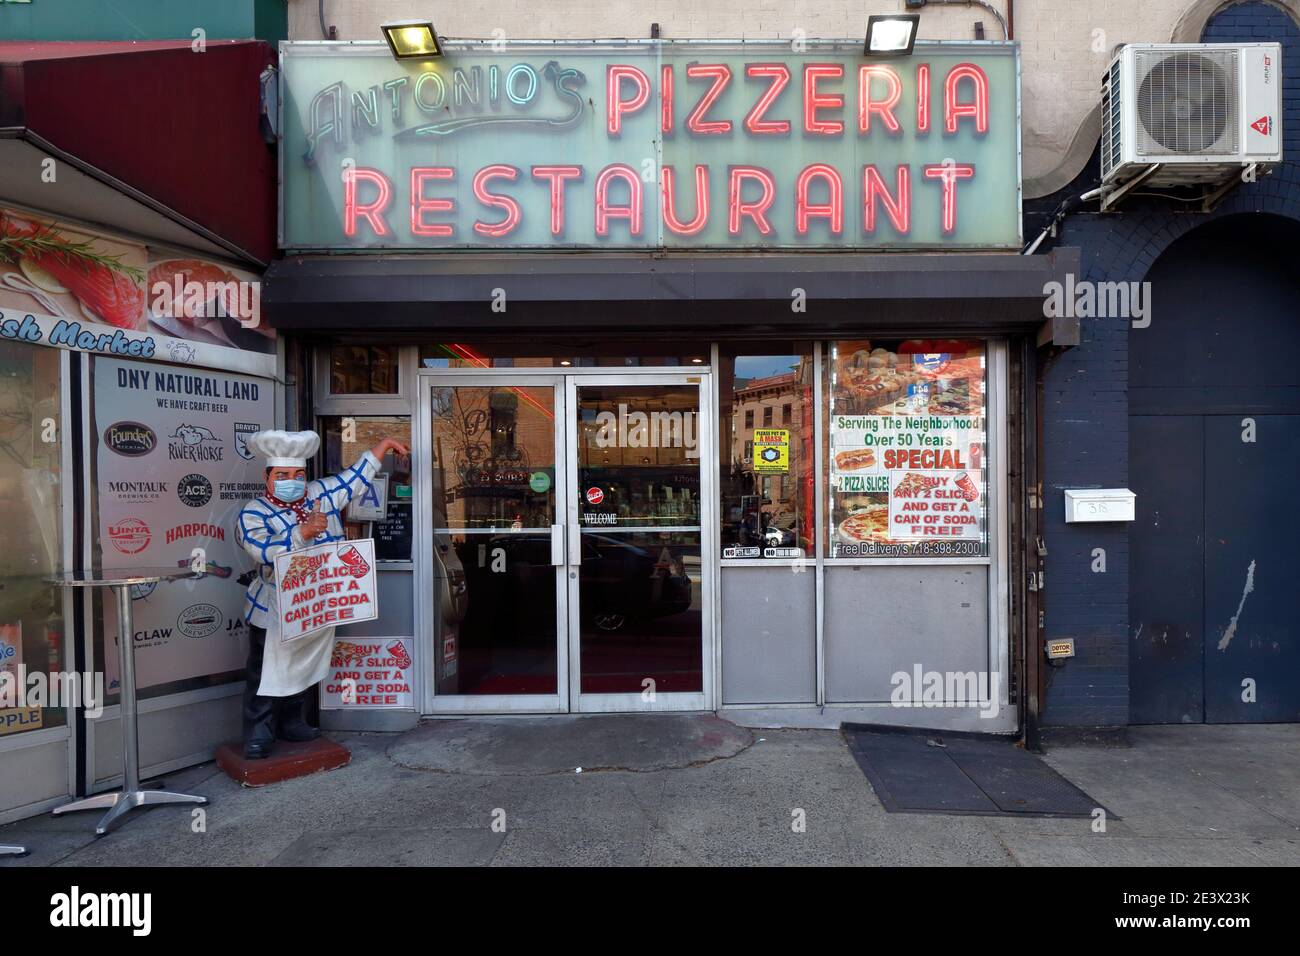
[{"x": 1197, "y": 112}]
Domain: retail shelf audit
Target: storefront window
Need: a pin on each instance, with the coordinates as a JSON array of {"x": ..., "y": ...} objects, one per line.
[
  {"x": 767, "y": 471},
  {"x": 363, "y": 369},
  {"x": 345, "y": 439},
  {"x": 31, "y": 611},
  {"x": 905, "y": 448}
]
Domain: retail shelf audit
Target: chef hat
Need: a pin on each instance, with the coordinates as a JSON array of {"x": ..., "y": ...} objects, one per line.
[{"x": 284, "y": 449}]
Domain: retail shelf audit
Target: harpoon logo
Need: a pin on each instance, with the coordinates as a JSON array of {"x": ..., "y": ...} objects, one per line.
[
  {"x": 922, "y": 688},
  {"x": 76, "y": 909}
]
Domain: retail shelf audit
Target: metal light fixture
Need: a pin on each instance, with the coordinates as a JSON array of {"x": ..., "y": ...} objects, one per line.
[
  {"x": 411, "y": 39},
  {"x": 891, "y": 34}
]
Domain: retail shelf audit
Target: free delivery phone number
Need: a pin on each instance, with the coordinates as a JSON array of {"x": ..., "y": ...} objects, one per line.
[{"x": 928, "y": 549}]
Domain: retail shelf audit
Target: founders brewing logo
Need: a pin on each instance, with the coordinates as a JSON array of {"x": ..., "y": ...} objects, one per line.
[
  {"x": 194, "y": 490},
  {"x": 194, "y": 443},
  {"x": 130, "y": 439},
  {"x": 129, "y": 536},
  {"x": 242, "y": 431},
  {"x": 199, "y": 620}
]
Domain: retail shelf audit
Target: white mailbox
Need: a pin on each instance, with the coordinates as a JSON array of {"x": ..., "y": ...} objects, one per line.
[{"x": 1100, "y": 504}]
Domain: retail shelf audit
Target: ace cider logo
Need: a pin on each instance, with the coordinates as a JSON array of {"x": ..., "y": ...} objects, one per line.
[{"x": 739, "y": 146}]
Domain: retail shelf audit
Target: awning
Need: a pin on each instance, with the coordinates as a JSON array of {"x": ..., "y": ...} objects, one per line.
[
  {"x": 148, "y": 138},
  {"x": 701, "y": 295}
]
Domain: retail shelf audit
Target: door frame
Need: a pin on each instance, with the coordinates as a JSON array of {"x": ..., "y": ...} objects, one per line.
[
  {"x": 700, "y": 700},
  {"x": 565, "y": 382}
]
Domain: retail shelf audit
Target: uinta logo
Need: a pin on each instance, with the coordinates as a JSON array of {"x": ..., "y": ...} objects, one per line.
[
  {"x": 130, "y": 439},
  {"x": 129, "y": 536}
]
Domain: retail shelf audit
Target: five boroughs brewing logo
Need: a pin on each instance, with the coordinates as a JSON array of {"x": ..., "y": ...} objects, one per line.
[
  {"x": 194, "y": 490},
  {"x": 130, "y": 439}
]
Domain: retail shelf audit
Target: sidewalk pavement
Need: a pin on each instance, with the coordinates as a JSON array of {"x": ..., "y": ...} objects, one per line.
[{"x": 694, "y": 789}]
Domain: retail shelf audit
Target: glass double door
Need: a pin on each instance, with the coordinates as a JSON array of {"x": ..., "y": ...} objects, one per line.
[{"x": 567, "y": 545}]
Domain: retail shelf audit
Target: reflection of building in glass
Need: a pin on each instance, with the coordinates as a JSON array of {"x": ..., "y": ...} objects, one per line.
[
  {"x": 770, "y": 508},
  {"x": 494, "y": 456}
]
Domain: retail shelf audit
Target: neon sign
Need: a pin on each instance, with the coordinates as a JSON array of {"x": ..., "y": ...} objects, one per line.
[{"x": 661, "y": 144}]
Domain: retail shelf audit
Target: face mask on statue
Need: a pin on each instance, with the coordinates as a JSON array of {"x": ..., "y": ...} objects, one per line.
[{"x": 290, "y": 489}]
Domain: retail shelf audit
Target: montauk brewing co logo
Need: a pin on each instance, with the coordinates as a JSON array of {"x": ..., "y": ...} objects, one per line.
[{"x": 654, "y": 429}]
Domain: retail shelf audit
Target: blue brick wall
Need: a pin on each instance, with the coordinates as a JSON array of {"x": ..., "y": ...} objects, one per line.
[{"x": 1085, "y": 418}]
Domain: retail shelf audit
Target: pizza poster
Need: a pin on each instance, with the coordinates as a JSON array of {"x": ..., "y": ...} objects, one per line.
[
  {"x": 930, "y": 505},
  {"x": 371, "y": 672},
  {"x": 172, "y": 471},
  {"x": 325, "y": 586},
  {"x": 907, "y": 478}
]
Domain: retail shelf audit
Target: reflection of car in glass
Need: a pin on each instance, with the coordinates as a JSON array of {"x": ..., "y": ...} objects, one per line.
[
  {"x": 620, "y": 582},
  {"x": 774, "y": 537}
]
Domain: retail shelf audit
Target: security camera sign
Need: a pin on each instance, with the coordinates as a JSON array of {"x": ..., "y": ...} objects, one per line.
[{"x": 325, "y": 586}]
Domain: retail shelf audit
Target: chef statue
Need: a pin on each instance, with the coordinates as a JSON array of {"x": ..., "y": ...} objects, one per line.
[{"x": 293, "y": 514}]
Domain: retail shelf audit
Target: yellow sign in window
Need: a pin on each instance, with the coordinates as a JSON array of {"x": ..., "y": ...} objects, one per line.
[{"x": 771, "y": 450}]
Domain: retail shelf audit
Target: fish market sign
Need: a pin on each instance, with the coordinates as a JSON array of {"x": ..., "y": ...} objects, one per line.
[{"x": 650, "y": 144}]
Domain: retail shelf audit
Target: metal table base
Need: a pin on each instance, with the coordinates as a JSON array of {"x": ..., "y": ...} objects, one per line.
[
  {"x": 121, "y": 802},
  {"x": 130, "y": 797}
]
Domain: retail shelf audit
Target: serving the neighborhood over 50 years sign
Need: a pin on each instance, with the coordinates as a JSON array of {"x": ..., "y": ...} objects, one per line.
[{"x": 651, "y": 144}]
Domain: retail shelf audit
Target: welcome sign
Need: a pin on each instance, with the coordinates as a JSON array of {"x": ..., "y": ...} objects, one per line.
[{"x": 650, "y": 144}]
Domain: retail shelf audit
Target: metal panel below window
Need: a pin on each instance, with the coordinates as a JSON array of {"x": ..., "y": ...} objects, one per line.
[
  {"x": 885, "y": 620},
  {"x": 769, "y": 649}
]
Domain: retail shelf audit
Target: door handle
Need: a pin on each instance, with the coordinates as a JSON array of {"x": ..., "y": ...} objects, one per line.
[
  {"x": 575, "y": 541},
  {"x": 557, "y": 544}
]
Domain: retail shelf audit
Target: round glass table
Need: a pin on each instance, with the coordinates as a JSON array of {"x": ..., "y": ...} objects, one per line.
[{"x": 120, "y": 802}]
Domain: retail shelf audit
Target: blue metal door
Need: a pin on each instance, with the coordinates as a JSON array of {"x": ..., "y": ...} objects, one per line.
[
  {"x": 1252, "y": 586},
  {"x": 1166, "y": 570}
]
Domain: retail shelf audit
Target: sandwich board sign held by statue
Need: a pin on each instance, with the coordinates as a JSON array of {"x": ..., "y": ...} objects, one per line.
[{"x": 326, "y": 586}]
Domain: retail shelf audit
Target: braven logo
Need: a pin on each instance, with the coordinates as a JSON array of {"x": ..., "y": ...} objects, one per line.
[{"x": 75, "y": 909}]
